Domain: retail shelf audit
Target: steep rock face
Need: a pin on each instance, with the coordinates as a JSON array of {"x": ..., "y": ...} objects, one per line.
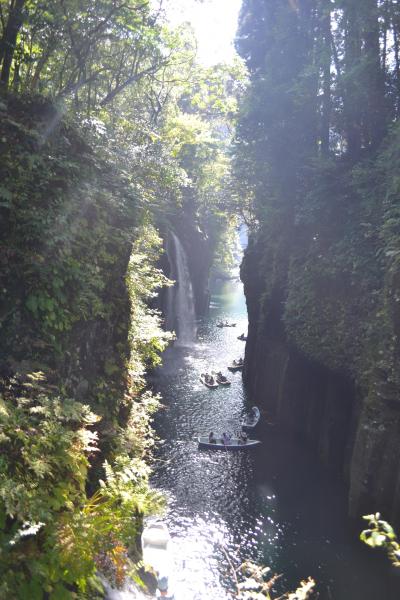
[
  {"x": 199, "y": 258},
  {"x": 63, "y": 308},
  {"x": 350, "y": 418}
]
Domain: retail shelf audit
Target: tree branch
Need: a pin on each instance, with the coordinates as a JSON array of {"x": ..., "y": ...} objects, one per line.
[
  {"x": 133, "y": 79},
  {"x": 72, "y": 88}
]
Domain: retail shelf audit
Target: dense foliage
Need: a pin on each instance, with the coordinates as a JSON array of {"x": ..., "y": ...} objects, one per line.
[
  {"x": 316, "y": 155},
  {"x": 316, "y": 158},
  {"x": 118, "y": 65},
  {"x": 53, "y": 538},
  {"x": 109, "y": 133},
  {"x": 254, "y": 582},
  {"x": 380, "y": 534},
  {"x": 78, "y": 267}
]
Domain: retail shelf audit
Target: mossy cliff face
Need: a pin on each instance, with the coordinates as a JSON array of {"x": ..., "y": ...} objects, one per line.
[
  {"x": 199, "y": 256},
  {"x": 199, "y": 252},
  {"x": 66, "y": 239},
  {"x": 77, "y": 258},
  {"x": 322, "y": 356}
]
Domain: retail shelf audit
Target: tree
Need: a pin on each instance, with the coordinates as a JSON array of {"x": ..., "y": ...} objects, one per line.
[{"x": 11, "y": 24}]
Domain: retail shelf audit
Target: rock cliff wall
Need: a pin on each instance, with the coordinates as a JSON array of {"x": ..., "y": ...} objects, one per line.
[
  {"x": 199, "y": 258},
  {"x": 350, "y": 416}
]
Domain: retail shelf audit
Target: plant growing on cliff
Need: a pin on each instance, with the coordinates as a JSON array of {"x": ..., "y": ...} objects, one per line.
[
  {"x": 57, "y": 535},
  {"x": 146, "y": 337},
  {"x": 257, "y": 583},
  {"x": 381, "y": 535},
  {"x": 53, "y": 538}
]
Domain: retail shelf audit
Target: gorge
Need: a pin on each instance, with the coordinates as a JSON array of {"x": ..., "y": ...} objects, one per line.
[
  {"x": 127, "y": 168},
  {"x": 180, "y": 310},
  {"x": 320, "y": 273}
]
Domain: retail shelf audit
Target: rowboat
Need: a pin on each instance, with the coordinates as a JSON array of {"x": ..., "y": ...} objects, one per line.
[
  {"x": 156, "y": 555},
  {"x": 233, "y": 444},
  {"x": 223, "y": 381},
  {"x": 235, "y": 366},
  {"x": 252, "y": 419},
  {"x": 226, "y": 325},
  {"x": 242, "y": 337},
  {"x": 209, "y": 385}
]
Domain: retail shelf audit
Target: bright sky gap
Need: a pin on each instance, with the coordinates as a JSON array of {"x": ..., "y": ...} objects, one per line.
[{"x": 214, "y": 23}]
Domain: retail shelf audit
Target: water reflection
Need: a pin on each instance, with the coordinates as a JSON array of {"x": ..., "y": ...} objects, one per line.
[{"x": 271, "y": 504}]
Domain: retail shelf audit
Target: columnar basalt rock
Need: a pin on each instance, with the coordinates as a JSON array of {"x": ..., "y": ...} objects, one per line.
[{"x": 354, "y": 429}]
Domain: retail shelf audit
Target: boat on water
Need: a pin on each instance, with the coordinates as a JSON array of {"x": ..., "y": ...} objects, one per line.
[
  {"x": 242, "y": 337},
  {"x": 221, "y": 379},
  {"x": 156, "y": 542},
  {"x": 252, "y": 419},
  {"x": 232, "y": 444},
  {"x": 226, "y": 324},
  {"x": 211, "y": 385},
  {"x": 237, "y": 365}
]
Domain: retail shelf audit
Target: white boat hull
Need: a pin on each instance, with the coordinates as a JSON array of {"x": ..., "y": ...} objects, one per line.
[
  {"x": 156, "y": 551},
  {"x": 234, "y": 444}
]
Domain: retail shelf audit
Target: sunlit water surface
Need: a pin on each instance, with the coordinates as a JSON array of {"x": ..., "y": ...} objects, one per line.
[{"x": 271, "y": 504}]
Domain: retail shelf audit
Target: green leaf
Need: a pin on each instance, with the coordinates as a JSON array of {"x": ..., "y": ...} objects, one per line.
[
  {"x": 31, "y": 589},
  {"x": 60, "y": 593},
  {"x": 32, "y": 303},
  {"x": 5, "y": 194}
]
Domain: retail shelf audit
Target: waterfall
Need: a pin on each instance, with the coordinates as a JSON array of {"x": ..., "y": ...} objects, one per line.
[{"x": 180, "y": 314}]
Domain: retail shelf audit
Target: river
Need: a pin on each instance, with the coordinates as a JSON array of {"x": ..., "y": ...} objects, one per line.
[{"x": 272, "y": 504}]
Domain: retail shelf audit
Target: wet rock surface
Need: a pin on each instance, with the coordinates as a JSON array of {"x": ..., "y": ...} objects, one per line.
[{"x": 351, "y": 421}]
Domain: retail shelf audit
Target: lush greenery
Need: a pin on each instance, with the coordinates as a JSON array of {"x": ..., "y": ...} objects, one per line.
[
  {"x": 53, "y": 538},
  {"x": 118, "y": 67},
  {"x": 258, "y": 583},
  {"x": 316, "y": 157},
  {"x": 78, "y": 268},
  {"x": 380, "y": 534},
  {"x": 109, "y": 133},
  {"x": 321, "y": 172}
]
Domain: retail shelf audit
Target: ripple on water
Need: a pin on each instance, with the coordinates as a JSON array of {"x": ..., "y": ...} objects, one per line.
[{"x": 271, "y": 504}]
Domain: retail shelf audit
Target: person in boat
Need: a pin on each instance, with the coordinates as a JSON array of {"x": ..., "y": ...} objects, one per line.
[
  {"x": 243, "y": 437},
  {"x": 211, "y": 380},
  {"x": 226, "y": 438},
  {"x": 240, "y": 361},
  {"x": 163, "y": 588},
  {"x": 221, "y": 377},
  {"x": 211, "y": 438}
]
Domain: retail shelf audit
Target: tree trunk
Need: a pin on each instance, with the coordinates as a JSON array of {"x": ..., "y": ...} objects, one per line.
[
  {"x": 396, "y": 28},
  {"x": 352, "y": 98},
  {"x": 8, "y": 43},
  {"x": 326, "y": 76},
  {"x": 41, "y": 64},
  {"x": 375, "y": 114}
]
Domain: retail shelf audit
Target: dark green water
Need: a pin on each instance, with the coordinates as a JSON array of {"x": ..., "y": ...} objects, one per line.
[{"x": 272, "y": 504}]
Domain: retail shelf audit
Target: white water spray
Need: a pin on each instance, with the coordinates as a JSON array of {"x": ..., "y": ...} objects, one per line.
[{"x": 180, "y": 303}]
